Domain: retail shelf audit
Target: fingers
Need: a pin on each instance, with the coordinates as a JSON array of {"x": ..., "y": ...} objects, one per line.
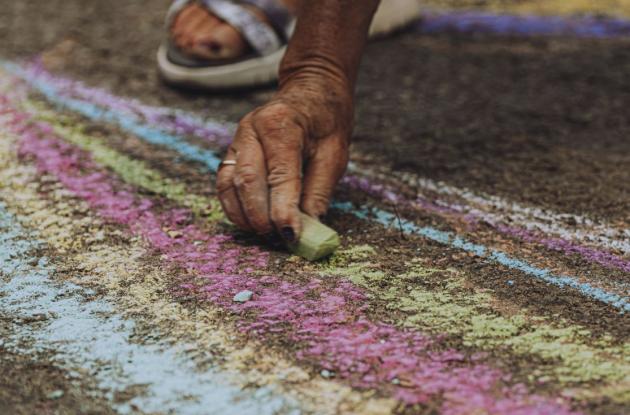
[
  {"x": 227, "y": 193},
  {"x": 282, "y": 141},
  {"x": 242, "y": 186},
  {"x": 263, "y": 190},
  {"x": 323, "y": 172},
  {"x": 250, "y": 182}
]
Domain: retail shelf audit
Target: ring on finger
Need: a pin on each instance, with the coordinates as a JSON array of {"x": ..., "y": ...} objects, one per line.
[{"x": 227, "y": 163}]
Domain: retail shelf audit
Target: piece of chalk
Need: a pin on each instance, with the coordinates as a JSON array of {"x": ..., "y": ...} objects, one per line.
[{"x": 317, "y": 240}]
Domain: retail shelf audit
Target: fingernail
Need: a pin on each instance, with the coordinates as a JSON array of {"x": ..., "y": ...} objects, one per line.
[{"x": 288, "y": 234}]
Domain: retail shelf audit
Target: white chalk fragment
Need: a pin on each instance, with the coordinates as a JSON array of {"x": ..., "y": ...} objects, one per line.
[{"x": 243, "y": 296}]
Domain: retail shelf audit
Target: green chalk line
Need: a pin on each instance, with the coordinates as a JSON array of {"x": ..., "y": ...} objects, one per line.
[
  {"x": 132, "y": 171},
  {"x": 470, "y": 315},
  {"x": 139, "y": 174},
  {"x": 448, "y": 311}
]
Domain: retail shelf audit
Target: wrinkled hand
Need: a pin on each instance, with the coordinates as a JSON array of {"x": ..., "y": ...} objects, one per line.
[{"x": 289, "y": 155}]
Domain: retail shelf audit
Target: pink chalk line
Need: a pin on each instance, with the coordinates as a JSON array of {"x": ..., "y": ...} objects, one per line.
[
  {"x": 328, "y": 325},
  {"x": 494, "y": 211}
]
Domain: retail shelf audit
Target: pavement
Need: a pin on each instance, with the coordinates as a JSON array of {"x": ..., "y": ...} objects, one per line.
[{"x": 485, "y": 259}]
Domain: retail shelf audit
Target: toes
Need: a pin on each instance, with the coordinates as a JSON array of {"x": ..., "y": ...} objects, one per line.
[
  {"x": 220, "y": 42},
  {"x": 181, "y": 24},
  {"x": 201, "y": 34}
]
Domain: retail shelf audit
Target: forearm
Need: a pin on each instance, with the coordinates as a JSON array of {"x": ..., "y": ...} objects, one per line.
[{"x": 329, "y": 40}]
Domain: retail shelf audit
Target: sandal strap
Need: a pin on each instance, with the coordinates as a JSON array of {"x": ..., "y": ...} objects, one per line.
[
  {"x": 277, "y": 13},
  {"x": 263, "y": 38}
]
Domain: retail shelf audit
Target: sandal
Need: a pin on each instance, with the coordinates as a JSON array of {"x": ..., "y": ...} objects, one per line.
[{"x": 267, "y": 42}]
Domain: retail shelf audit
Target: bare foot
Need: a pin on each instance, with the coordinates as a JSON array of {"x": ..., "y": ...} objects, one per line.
[{"x": 200, "y": 34}]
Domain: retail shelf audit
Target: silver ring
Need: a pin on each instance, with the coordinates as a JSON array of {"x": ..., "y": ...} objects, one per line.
[{"x": 228, "y": 163}]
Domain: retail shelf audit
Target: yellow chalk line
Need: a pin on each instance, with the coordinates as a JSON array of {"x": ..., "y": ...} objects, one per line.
[
  {"x": 137, "y": 172},
  {"x": 132, "y": 171},
  {"x": 475, "y": 317},
  {"x": 613, "y": 8},
  {"x": 437, "y": 311},
  {"x": 67, "y": 225}
]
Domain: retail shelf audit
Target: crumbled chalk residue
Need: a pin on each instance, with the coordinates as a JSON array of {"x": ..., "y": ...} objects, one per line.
[{"x": 85, "y": 332}]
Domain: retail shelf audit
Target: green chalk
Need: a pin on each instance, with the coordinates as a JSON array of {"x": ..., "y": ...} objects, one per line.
[{"x": 317, "y": 240}]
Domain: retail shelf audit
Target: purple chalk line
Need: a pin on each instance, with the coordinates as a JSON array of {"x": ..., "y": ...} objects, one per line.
[
  {"x": 603, "y": 258},
  {"x": 523, "y": 25},
  {"x": 328, "y": 324},
  {"x": 166, "y": 119},
  {"x": 220, "y": 134}
]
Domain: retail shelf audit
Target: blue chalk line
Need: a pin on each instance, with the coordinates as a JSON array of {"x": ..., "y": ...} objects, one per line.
[
  {"x": 84, "y": 332},
  {"x": 449, "y": 238},
  {"x": 93, "y": 112},
  {"x": 211, "y": 161}
]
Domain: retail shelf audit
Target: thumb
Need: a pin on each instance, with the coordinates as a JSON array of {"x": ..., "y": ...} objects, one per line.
[{"x": 323, "y": 171}]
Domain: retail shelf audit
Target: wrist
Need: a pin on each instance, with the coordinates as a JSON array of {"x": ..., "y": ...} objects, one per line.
[
  {"x": 314, "y": 69},
  {"x": 328, "y": 41}
]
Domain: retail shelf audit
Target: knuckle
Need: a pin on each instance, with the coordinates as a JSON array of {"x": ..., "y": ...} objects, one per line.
[
  {"x": 316, "y": 202},
  {"x": 276, "y": 120},
  {"x": 276, "y": 111},
  {"x": 267, "y": 124},
  {"x": 246, "y": 177},
  {"x": 320, "y": 196},
  {"x": 224, "y": 182},
  {"x": 281, "y": 174}
]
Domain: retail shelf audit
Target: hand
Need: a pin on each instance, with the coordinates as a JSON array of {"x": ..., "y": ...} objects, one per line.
[{"x": 289, "y": 155}]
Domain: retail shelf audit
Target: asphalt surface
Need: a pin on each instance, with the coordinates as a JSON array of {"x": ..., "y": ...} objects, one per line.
[{"x": 517, "y": 144}]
